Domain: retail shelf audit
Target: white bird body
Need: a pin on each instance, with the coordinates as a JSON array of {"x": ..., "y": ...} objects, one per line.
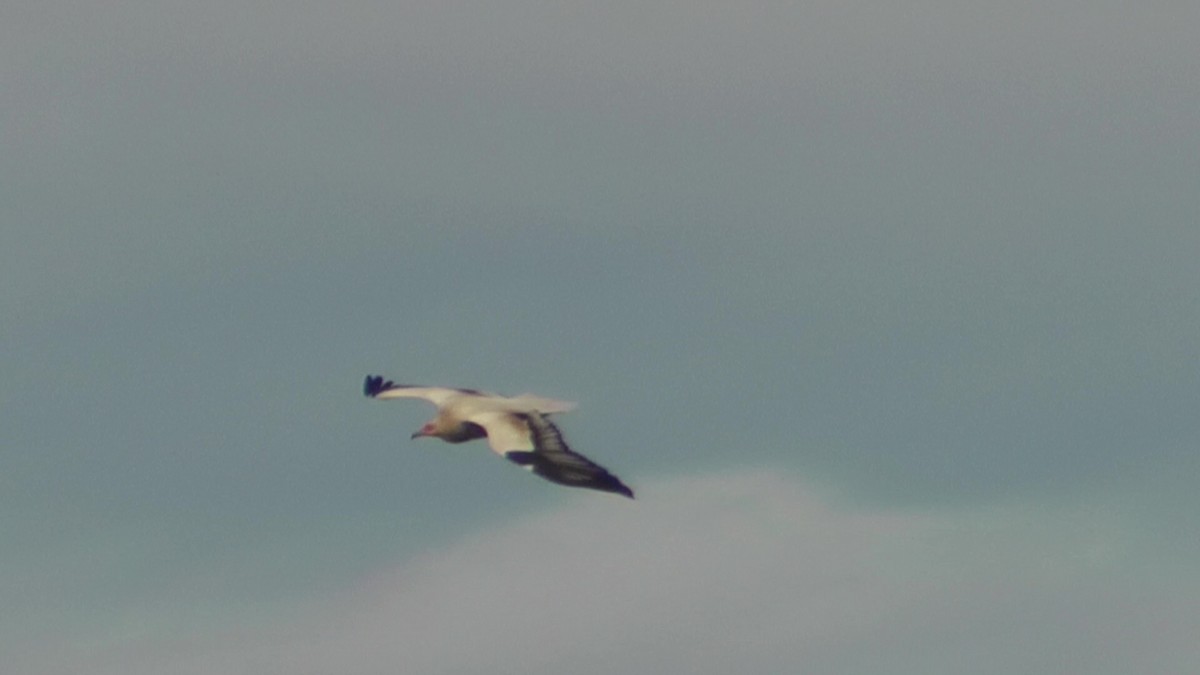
[{"x": 516, "y": 428}]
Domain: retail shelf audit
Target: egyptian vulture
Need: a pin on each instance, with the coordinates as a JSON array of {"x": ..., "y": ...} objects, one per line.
[{"x": 515, "y": 427}]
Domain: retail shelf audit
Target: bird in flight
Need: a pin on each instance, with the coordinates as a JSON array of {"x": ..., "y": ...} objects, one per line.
[{"x": 515, "y": 427}]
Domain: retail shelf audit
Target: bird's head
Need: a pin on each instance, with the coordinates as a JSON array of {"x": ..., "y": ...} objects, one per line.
[{"x": 428, "y": 429}]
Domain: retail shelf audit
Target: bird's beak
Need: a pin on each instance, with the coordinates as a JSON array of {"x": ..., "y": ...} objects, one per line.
[{"x": 417, "y": 434}]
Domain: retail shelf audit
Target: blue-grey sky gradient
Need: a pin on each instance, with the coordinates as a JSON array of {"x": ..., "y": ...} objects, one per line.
[{"x": 919, "y": 260}]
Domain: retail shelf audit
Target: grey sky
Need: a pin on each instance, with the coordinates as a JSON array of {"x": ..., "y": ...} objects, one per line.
[{"x": 917, "y": 260}]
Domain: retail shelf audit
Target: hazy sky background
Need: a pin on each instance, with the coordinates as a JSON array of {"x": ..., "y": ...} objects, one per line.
[{"x": 889, "y": 312}]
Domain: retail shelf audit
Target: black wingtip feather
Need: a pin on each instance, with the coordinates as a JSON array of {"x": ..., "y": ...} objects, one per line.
[
  {"x": 605, "y": 482},
  {"x": 617, "y": 487},
  {"x": 375, "y": 385}
]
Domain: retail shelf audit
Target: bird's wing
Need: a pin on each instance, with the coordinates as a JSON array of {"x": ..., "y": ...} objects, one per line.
[
  {"x": 534, "y": 442},
  {"x": 375, "y": 386},
  {"x": 506, "y": 432},
  {"x": 553, "y": 460}
]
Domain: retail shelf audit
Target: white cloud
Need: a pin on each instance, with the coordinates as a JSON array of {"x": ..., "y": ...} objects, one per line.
[{"x": 747, "y": 572}]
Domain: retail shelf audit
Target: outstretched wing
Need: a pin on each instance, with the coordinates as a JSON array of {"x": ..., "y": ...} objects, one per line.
[
  {"x": 375, "y": 386},
  {"x": 551, "y": 459},
  {"x": 516, "y": 429}
]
